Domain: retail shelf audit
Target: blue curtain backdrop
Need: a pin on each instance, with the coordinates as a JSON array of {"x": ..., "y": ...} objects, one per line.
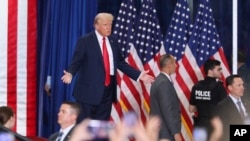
[{"x": 61, "y": 22}]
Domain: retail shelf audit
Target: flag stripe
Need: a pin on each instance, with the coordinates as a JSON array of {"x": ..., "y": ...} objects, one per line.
[
  {"x": 3, "y": 52},
  {"x": 221, "y": 56},
  {"x": 183, "y": 92},
  {"x": 116, "y": 112},
  {"x": 18, "y": 62},
  {"x": 143, "y": 89},
  {"x": 145, "y": 97},
  {"x": 12, "y": 52},
  {"x": 125, "y": 102},
  {"x": 189, "y": 68},
  {"x": 131, "y": 97},
  {"x": 134, "y": 87},
  {"x": 117, "y": 107},
  {"x": 183, "y": 85},
  {"x": 185, "y": 130},
  {"x": 21, "y": 100},
  {"x": 31, "y": 67}
]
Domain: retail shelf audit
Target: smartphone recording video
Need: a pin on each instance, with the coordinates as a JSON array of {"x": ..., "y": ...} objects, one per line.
[
  {"x": 130, "y": 118},
  {"x": 99, "y": 129},
  {"x": 200, "y": 134},
  {"x": 5, "y": 136}
]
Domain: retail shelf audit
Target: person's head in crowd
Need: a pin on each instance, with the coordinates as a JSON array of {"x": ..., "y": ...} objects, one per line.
[
  {"x": 103, "y": 23},
  {"x": 235, "y": 85},
  {"x": 212, "y": 68},
  {"x": 167, "y": 64},
  {"x": 7, "y": 117},
  {"x": 68, "y": 114}
]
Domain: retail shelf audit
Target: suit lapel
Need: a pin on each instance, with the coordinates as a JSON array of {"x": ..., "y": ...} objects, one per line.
[
  {"x": 234, "y": 110},
  {"x": 68, "y": 135},
  {"x": 232, "y": 105},
  {"x": 97, "y": 48},
  {"x": 165, "y": 77},
  {"x": 54, "y": 137},
  {"x": 247, "y": 107},
  {"x": 113, "y": 48}
]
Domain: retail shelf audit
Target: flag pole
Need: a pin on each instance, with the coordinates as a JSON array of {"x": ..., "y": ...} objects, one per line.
[{"x": 235, "y": 37}]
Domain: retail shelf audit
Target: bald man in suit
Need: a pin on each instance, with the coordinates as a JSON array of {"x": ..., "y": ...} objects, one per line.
[{"x": 164, "y": 101}]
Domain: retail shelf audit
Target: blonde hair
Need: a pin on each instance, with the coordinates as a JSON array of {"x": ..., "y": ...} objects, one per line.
[{"x": 100, "y": 16}]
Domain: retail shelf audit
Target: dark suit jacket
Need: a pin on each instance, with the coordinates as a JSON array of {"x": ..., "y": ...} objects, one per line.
[
  {"x": 164, "y": 102},
  {"x": 54, "y": 136},
  {"x": 229, "y": 114},
  {"x": 88, "y": 62}
]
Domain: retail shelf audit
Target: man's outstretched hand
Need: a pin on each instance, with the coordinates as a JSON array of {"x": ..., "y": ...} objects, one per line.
[{"x": 145, "y": 77}]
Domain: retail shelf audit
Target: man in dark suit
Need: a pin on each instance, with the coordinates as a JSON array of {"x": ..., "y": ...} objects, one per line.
[
  {"x": 164, "y": 101},
  {"x": 67, "y": 118},
  {"x": 96, "y": 59},
  {"x": 233, "y": 109}
]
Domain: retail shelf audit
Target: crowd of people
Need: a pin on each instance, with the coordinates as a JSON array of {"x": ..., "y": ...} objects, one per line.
[{"x": 96, "y": 60}]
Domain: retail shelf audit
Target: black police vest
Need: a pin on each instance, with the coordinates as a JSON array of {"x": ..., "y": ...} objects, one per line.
[{"x": 205, "y": 98}]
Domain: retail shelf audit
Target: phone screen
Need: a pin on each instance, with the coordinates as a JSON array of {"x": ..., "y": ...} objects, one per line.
[
  {"x": 5, "y": 136},
  {"x": 130, "y": 119},
  {"x": 99, "y": 128},
  {"x": 200, "y": 134}
]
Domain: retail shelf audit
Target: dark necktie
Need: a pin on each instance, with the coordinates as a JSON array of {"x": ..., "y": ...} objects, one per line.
[
  {"x": 59, "y": 137},
  {"x": 106, "y": 62},
  {"x": 241, "y": 110}
]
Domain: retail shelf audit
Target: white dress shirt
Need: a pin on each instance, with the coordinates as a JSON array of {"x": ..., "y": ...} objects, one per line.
[
  {"x": 66, "y": 131},
  {"x": 111, "y": 62}
]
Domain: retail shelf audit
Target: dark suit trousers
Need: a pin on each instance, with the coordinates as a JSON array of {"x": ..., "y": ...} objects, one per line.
[{"x": 101, "y": 111}]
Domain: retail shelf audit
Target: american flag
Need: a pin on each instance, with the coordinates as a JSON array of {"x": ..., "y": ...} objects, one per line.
[
  {"x": 176, "y": 41},
  {"x": 141, "y": 40},
  {"x": 192, "y": 49},
  {"x": 124, "y": 31},
  {"x": 18, "y": 61},
  {"x": 205, "y": 41},
  {"x": 148, "y": 44}
]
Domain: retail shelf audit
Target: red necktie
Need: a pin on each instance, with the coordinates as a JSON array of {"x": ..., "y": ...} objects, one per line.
[{"x": 106, "y": 62}]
